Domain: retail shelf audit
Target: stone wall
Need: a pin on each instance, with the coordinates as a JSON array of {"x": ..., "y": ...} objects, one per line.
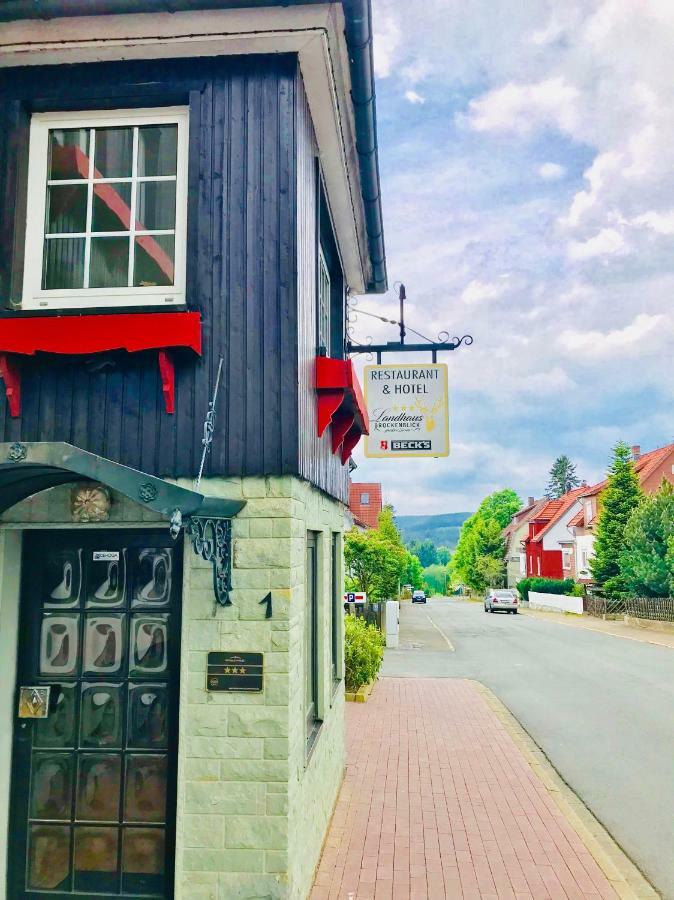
[{"x": 252, "y": 810}]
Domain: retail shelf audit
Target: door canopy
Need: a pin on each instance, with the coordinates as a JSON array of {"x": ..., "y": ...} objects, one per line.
[{"x": 30, "y": 467}]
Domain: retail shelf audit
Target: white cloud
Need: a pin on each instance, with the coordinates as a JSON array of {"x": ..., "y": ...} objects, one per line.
[
  {"x": 387, "y": 37},
  {"x": 413, "y": 97},
  {"x": 659, "y": 222},
  {"x": 521, "y": 108},
  {"x": 478, "y": 291},
  {"x": 607, "y": 242},
  {"x": 550, "y": 171},
  {"x": 602, "y": 343}
]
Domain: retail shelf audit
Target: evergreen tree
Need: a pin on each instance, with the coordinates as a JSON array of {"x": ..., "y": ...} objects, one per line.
[
  {"x": 646, "y": 567},
  {"x": 618, "y": 500},
  {"x": 443, "y": 554},
  {"x": 387, "y": 527},
  {"x": 563, "y": 478}
]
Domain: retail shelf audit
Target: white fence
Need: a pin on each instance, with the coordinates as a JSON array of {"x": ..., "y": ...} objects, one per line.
[{"x": 556, "y": 602}]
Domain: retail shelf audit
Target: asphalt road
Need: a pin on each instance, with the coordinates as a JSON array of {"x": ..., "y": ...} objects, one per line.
[{"x": 601, "y": 708}]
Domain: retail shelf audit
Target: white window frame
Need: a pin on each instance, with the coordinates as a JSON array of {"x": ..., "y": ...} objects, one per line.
[
  {"x": 324, "y": 302},
  {"x": 34, "y": 297}
]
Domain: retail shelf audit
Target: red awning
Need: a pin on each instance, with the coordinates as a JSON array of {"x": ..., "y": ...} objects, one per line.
[
  {"x": 74, "y": 335},
  {"x": 340, "y": 404}
]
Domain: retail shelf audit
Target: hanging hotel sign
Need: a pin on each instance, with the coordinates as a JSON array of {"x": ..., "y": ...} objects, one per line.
[
  {"x": 234, "y": 671},
  {"x": 408, "y": 410}
]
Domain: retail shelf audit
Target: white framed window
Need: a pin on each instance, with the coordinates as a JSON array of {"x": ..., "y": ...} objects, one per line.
[
  {"x": 365, "y": 499},
  {"x": 566, "y": 559},
  {"x": 107, "y": 209},
  {"x": 323, "y": 303}
]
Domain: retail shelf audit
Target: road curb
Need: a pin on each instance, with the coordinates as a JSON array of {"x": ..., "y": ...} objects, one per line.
[{"x": 625, "y": 878}]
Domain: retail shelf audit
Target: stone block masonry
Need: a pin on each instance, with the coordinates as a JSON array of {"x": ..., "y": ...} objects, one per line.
[{"x": 253, "y": 809}]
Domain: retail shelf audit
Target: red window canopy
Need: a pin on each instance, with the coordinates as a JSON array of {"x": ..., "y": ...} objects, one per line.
[
  {"x": 340, "y": 404},
  {"x": 74, "y": 335}
]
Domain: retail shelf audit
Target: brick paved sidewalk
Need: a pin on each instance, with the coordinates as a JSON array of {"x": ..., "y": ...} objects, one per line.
[{"x": 439, "y": 802}]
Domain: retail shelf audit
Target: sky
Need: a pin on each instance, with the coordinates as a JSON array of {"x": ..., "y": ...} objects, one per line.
[{"x": 526, "y": 150}]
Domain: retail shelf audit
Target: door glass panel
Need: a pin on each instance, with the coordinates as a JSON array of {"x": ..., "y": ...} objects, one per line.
[
  {"x": 152, "y": 577},
  {"x": 96, "y": 859},
  {"x": 92, "y": 818},
  {"x": 149, "y": 635},
  {"x": 148, "y": 715},
  {"x": 106, "y": 578},
  {"x": 58, "y": 730},
  {"x": 104, "y": 644},
  {"x": 49, "y": 857},
  {"x": 59, "y": 644},
  {"x": 62, "y": 581},
  {"x": 52, "y": 780},
  {"x": 145, "y": 789},
  {"x": 143, "y": 861},
  {"x": 98, "y": 787},
  {"x": 101, "y": 720}
]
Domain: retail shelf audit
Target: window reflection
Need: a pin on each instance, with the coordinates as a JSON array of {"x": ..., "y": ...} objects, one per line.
[
  {"x": 48, "y": 857},
  {"x": 149, "y": 636},
  {"x": 145, "y": 790},
  {"x": 143, "y": 861},
  {"x": 98, "y": 787},
  {"x": 152, "y": 577},
  {"x": 148, "y": 713},
  {"x": 96, "y": 859},
  {"x": 58, "y": 729},
  {"x": 59, "y": 644},
  {"x": 63, "y": 579},
  {"x": 51, "y": 786},
  {"x": 101, "y": 719},
  {"x": 104, "y": 643}
]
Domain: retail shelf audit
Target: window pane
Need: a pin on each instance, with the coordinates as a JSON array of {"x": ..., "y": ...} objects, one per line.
[
  {"x": 114, "y": 152},
  {"x": 157, "y": 150},
  {"x": 63, "y": 264},
  {"x": 143, "y": 861},
  {"x": 98, "y": 787},
  {"x": 112, "y": 207},
  {"x": 69, "y": 153},
  {"x": 101, "y": 719},
  {"x": 153, "y": 262},
  {"x": 49, "y": 857},
  {"x": 145, "y": 788},
  {"x": 109, "y": 262},
  {"x": 66, "y": 208},
  {"x": 156, "y": 205},
  {"x": 51, "y": 786},
  {"x": 96, "y": 859}
]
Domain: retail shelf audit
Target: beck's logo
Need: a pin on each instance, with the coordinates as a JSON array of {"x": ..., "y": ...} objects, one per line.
[{"x": 383, "y": 445}]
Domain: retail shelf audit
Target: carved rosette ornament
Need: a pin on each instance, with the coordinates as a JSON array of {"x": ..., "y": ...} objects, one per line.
[
  {"x": 90, "y": 503},
  {"x": 17, "y": 452}
]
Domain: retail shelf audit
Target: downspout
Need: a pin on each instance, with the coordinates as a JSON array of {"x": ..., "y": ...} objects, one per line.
[{"x": 358, "y": 31}]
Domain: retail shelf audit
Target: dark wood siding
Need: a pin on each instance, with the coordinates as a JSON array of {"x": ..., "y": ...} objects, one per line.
[
  {"x": 317, "y": 461},
  {"x": 241, "y": 272}
]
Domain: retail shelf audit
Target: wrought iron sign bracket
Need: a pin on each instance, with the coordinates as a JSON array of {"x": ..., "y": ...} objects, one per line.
[
  {"x": 443, "y": 344},
  {"x": 211, "y": 539}
]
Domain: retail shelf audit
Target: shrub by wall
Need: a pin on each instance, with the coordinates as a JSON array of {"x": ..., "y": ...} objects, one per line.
[
  {"x": 363, "y": 652},
  {"x": 547, "y": 586}
]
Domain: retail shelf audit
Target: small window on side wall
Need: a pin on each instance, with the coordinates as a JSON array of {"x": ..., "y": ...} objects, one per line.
[
  {"x": 365, "y": 499},
  {"x": 107, "y": 204},
  {"x": 324, "y": 301}
]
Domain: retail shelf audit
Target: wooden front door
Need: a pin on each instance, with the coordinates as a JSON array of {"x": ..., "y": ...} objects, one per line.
[{"x": 93, "y": 783}]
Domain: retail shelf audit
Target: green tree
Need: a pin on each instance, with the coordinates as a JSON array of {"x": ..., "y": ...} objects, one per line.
[
  {"x": 443, "y": 554},
  {"x": 426, "y": 552},
  {"x": 414, "y": 574},
  {"x": 387, "y": 527},
  {"x": 563, "y": 478},
  {"x": 647, "y": 559},
  {"x": 436, "y": 579},
  {"x": 479, "y": 556},
  {"x": 619, "y": 499},
  {"x": 374, "y": 565}
]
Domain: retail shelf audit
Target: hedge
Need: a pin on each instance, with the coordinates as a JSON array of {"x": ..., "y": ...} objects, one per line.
[
  {"x": 548, "y": 586},
  {"x": 363, "y": 652}
]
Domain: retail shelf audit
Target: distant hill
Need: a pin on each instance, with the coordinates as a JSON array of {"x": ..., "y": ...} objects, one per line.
[{"x": 443, "y": 530}]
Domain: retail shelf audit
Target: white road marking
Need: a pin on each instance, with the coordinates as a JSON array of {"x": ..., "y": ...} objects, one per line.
[{"x": 449, "y": 643}]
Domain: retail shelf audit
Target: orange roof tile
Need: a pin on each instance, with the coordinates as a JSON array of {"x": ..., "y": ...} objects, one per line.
[{"x": 554, "y": 510}]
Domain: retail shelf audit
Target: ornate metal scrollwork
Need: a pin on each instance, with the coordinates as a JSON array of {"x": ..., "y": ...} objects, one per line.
[{"x": 212, "y": 540}]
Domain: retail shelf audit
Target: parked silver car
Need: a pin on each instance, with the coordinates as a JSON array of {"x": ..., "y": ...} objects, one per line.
[{"x": 501, "y": 599}]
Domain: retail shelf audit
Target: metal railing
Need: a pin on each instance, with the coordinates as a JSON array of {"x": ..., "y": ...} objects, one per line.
[{"x": 658, "y": 609}]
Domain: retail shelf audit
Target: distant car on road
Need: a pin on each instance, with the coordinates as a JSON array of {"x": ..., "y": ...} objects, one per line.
[
  {"x": 418, "y": 597},
  {"x": 501, "y": 599}
]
